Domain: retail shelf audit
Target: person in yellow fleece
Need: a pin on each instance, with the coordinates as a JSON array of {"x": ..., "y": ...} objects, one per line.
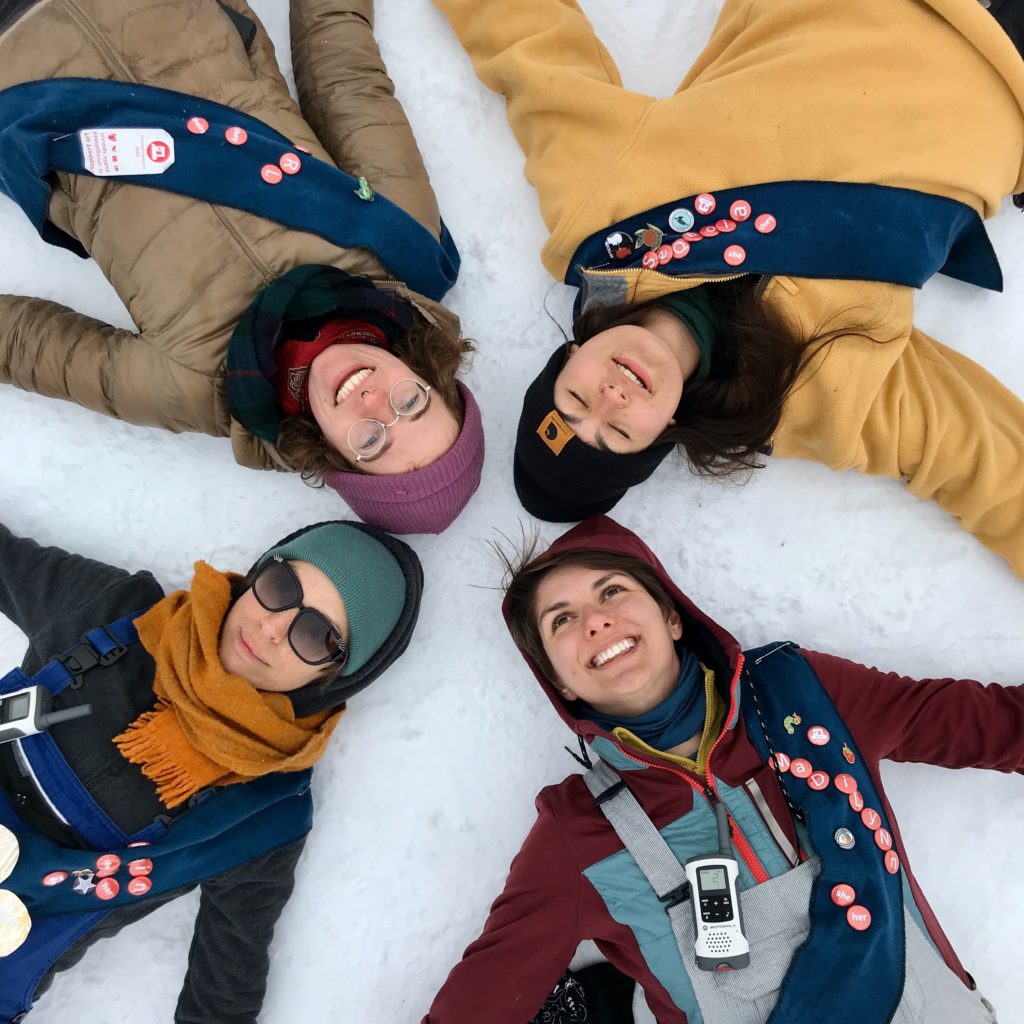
[{"x": 746, "y": 250}]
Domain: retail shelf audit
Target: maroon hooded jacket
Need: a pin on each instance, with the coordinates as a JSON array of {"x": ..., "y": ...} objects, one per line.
[{"x": 549, "y": 905}]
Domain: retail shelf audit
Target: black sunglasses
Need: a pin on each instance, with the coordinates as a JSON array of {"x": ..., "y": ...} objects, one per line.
[{"x": 311, "y": 635}]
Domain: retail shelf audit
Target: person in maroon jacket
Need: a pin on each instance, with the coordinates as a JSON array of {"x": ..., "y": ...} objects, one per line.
[{"x": 787, "y": 743}]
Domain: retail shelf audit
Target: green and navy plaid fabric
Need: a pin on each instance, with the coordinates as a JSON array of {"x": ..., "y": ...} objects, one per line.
[{"x": 307, "y": 293}]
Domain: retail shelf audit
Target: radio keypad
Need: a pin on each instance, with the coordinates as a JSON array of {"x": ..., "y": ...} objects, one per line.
[{"x": 716, "y": 908}]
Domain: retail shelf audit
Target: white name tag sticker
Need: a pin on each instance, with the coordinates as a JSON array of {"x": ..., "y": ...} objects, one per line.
[{"x": 109, "y": 152}]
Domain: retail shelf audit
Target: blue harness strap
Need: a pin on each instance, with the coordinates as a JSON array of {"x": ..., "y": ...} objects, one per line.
[
  {"x": 39, "y": 125},
  {"x": 818, "y": 229},
  {"x": 62, "y": 787},
  {"x": 842, "y": 974}
]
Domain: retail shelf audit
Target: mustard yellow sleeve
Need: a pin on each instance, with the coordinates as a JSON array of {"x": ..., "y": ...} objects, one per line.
[
  {"x": 563, "y": 94},
  {"x": 913, "y": 409}
]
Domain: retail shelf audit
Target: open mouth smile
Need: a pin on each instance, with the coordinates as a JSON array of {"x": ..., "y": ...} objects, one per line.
[
  {"x": 617, "y": 650},
  {"x": 351, "y": 382},
  {"x": 630, "y": 374}
]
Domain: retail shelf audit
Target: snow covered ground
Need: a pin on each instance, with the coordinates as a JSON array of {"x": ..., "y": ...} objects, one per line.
[{"x": 427, "y": 790}]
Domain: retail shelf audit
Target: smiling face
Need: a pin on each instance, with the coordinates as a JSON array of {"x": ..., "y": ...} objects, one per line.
[
  {"x": 620, "y": 390},
  {"x": 607, "y": 639},
  {"x": 353, "y": 382},
  {"x": 254, "y": 641}
]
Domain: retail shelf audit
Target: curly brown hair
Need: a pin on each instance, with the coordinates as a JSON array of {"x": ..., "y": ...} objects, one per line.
[
  {"x": 725, "y": 423},
  {"x": 429, "y": 351}
]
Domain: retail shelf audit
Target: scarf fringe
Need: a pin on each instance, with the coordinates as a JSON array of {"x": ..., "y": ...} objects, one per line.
[{"x": 174, "y": 784}]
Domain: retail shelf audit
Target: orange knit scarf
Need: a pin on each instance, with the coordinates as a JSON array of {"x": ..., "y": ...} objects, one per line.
[{"x": 210, "y": 727}]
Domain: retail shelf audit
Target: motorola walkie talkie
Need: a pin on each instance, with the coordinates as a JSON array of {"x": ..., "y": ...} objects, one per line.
[{"x": 27, "y": 712}]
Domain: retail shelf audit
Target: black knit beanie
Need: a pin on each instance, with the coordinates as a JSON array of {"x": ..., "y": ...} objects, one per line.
[{"x": 559, "y": 478}]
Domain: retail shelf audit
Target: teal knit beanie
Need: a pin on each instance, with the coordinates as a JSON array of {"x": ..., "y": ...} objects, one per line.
[{"x": 365, "y": 574}]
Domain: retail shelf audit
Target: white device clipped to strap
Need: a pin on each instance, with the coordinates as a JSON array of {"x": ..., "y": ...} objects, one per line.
[
  {"x": 717, "y": 920},
  {"x": 27, "y": 712}
]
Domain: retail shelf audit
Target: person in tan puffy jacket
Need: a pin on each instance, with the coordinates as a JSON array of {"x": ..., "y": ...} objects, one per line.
[
  {"x": 714, "y": 320},
  {"x": 188, "y": 271}
]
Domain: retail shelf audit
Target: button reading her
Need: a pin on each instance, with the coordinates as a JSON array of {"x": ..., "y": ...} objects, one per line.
[
  {"x": 236, "y": 136},
  {"x": 197, "y": 125},
  {"x": 271, "y": 174},
  {"x": 858, "y": 918},
  {"x": 843, "y": 895},
  {"x": 871, "y": 818},
  {"x": 107, "y": 888}
]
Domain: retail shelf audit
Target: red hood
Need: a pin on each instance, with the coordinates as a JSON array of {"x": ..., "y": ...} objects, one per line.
[{"x": 714, "y": 646}]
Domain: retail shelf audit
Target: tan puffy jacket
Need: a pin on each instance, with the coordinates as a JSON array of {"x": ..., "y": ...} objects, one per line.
[{"x": 186, "y": 270}]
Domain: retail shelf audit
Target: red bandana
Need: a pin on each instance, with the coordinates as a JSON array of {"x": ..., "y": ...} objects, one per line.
[{"x": 293, "y": 359}]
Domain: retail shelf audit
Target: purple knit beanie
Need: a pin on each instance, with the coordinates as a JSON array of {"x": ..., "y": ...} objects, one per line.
[{"x": 426, "y": 500}]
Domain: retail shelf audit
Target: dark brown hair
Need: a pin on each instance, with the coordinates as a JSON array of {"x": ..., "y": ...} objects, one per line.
[
  {"x": 725, "y": 422},
  {"x": 429, "y": 351},
  {"x": 524, "y": 571}
]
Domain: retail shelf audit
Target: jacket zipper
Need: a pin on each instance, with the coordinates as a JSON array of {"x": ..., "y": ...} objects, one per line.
[
  {"x": 699, "y": 278},
  {"x": 707, "y": 789}
]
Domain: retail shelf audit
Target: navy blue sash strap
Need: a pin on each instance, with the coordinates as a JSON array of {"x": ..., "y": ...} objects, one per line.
[
  {"x": 840, "y": 975},
  {"x": 39, "y": 122},
  {"x": 818, "y": 229}
]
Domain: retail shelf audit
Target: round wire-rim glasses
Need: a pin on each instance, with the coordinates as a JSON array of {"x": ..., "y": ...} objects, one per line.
[{"x": 367, "y": 438}]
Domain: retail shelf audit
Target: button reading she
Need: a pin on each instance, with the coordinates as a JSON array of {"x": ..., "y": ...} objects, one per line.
[
  {"x": 735, "y": 255},
  {"x": 843, "y": 895}
]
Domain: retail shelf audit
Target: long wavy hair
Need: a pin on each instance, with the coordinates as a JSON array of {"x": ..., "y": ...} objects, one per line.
[
  {"x": 430, "y": 352},
  {"x": 725, "y": 423}
]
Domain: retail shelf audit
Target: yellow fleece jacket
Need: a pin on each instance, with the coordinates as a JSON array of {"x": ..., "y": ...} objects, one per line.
[{"x": 919, "y": 94}]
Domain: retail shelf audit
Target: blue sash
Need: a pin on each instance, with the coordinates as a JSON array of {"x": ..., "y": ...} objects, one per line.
[
  {"x": 840, "y": 975},
  {"x": 39, "y": 122},
  {"x": 819, "y": 229}
]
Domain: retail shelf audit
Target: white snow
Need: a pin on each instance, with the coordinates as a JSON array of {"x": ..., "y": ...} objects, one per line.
[{"x": 427, "y": 790}]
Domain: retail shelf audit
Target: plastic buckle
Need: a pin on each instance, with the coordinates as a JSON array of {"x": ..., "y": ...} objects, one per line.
[
  {"x": 678, "y": 895},
  {"x": 78, "y": 661}
]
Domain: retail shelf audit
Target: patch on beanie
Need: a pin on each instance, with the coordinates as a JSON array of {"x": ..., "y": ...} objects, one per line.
[{"x": 555, "y": 432}]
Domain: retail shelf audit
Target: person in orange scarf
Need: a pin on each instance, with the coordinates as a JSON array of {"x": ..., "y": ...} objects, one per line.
[{"x": 197, "y": 745}]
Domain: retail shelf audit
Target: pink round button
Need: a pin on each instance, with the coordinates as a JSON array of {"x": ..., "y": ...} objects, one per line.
[
  {"x": 271, "y": 174},
  {"x": 871, "y": 818},
  {"x": 131, "y": 846},
  {"x": 858, "y": 918},
  {"x": 891, "y": 861},
  {"x": 107, "y": 864},
  {"x": 725, "y": 225},
  {"x": 857, "y": 801},
  {"x": 843, "y": 895},
  {"x": 650, "y": 261},
  {"x": 137, "y": 868},
  {"x": 801, "y": 768},
  {"x": 818, "y": 780},
  {"x": 740, "y": 210},
  {"x": 107, "y": 888},
  {"x": 302, "y": 149},
  {"x": 766, "y": 223},
  {"x": 290, "y": 163},
  {"x": 236, "y": 136},
  {"x": 692, "y": 236},
  {"x": 846, "y": 783},
  {"x": 782, "y": 762},
  {"x": 54, "y": 878},
  {"x": 705, "y": 203},
  {"x": 664, "y": 254},
  {"x": 680, "y": 248},
  {"x": 734, "y": 255},
  {"x": 818, "y": 735},
  {"x": 883, "y": 839},
  {"x": 139, "y": 886},
  {"x": 197, "y": 125},
  {"x": 709, "y": 231}
]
